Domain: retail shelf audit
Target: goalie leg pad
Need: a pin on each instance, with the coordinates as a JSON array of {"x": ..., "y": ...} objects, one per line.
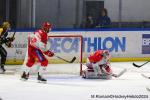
[
  {"x": 108, "y": 69},
  {"x": 104, "y": 76},
  {"x": 90, "y": 74}
]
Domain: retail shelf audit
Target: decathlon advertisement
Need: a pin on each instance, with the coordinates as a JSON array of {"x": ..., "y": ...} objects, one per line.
[{"x": 121, "y": 44}]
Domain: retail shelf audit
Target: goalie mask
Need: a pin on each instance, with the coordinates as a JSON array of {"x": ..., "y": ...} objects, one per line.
[{"x": 105, "y": 54}]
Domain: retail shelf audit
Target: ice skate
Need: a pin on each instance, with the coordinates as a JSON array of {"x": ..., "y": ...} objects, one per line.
[
  {"x": 24, "y": 76},
  {"x": 41, "y": 79},
  {"x": 2, "y": 70}
]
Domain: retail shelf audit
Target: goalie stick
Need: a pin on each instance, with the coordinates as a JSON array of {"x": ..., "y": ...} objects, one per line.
[
  {"x": 138, "y": 66},
  {"x": 73, "y": 59},
  {"x": 120, "y": 74},
  {"x": 14, "y": 34}
]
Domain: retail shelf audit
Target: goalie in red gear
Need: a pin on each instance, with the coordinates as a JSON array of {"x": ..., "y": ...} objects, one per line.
[
  {"x": 36, "y": 50},
  {"x": 98, "y": 65}
]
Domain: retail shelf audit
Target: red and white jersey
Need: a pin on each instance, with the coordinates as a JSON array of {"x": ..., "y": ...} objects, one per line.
[
  {"x": 38, "y": 40},
  {"x": 99, "y": 62},
  {"x": 96, "y": 57},
  {"x": 100, "y": 57}
]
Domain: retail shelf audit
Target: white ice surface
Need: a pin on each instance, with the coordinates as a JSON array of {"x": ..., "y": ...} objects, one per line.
[{"x": 73, "y": 87}]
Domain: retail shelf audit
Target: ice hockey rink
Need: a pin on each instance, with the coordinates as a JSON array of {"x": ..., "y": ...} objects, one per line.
[{"x": 130, "y": 86}]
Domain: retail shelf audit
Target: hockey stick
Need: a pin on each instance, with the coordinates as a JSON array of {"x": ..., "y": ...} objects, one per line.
[
  {"x": 148, "y": 89},
  {"x": 73, "y": 59},
  {"x": 145, "y": 76},
  {"x": 14, "y": 34},
  {"x": 120, "y": 74},
  {"x": 138, "y": 66}
]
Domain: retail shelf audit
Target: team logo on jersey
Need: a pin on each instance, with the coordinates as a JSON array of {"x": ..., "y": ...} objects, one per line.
[{"x": 146, "y": 44}]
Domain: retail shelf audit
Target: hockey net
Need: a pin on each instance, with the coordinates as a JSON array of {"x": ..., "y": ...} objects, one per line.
[{"x": 66, "y": 47}]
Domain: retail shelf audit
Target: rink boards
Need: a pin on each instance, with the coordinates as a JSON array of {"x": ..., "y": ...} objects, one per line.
[{"x": 123, "y": 45}]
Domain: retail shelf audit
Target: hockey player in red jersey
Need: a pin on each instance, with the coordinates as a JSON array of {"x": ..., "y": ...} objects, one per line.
[
  {"x": 36, "y": 50},
  {"x": 98, "y": 66}
]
